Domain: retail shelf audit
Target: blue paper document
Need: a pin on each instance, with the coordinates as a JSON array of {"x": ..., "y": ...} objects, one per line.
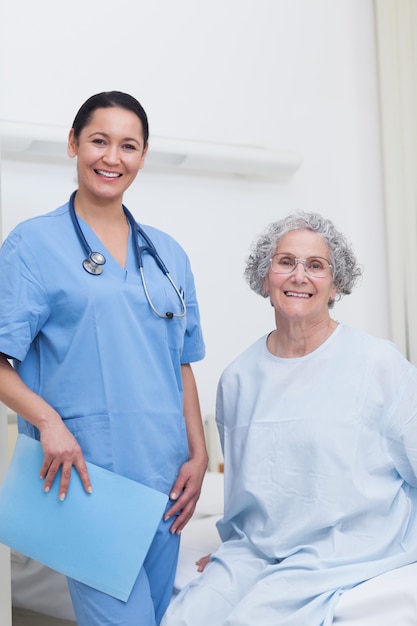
[{"x": 100, "y": 539}]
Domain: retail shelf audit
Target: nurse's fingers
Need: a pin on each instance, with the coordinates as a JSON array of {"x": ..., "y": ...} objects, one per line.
[
  {"x": 182, "y": 519},
  {"x": 65, "y": 479},
  {"x": 183, "y": 509},
  {"x": 66, "y": 476},
  {"x": 61, "y": 451},
  {"x": 82, "y": 470},
  {"x": 49, "y": 470},
  {"x": 185, "y": 493}
]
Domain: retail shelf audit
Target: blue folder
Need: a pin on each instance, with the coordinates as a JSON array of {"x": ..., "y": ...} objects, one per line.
[{"x": 100, "y": 539}]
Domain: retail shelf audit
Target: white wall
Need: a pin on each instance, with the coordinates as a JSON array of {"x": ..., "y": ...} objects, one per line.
[
  {"x": 288, "y": 74},
  {"x": 5, "y": 588}
]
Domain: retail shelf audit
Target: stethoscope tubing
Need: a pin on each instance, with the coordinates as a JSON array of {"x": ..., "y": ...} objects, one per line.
[{"x": 94, "y": 262}]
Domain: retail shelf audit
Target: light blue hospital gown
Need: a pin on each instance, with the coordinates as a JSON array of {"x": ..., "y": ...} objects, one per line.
[
  {"x": 320, "y": 482},
  {"x": 91, "y": 346}
]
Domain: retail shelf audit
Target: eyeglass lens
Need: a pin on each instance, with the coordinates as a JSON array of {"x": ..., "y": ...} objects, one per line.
[{"x": 313, "y": 266}]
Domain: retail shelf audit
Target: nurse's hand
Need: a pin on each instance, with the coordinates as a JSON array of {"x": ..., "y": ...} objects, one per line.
[
  {"x": 61, "y": 450},
  {"x": 185, "y": 493}
]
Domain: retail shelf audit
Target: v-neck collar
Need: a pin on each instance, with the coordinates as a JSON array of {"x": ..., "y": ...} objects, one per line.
[{"x": 97, "y": 245}]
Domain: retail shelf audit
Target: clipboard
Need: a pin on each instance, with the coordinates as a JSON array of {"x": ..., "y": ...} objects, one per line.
[{"x": 100, "y": 539}]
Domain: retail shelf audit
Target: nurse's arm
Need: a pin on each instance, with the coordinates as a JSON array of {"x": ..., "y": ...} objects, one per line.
[
  {"x": 186, "y": 489},
  {"x": 59, "y": 446}
]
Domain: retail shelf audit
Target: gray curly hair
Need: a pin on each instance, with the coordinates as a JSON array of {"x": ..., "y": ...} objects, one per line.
[{"x": 346, "y": 270}]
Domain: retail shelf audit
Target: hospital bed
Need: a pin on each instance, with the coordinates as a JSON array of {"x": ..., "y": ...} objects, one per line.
[
  {"x": 37, "y": 588},
  {"x": 40, "y": 589}
]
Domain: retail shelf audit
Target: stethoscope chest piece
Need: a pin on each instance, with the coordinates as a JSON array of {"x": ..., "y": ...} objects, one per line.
[{"x": 93, "y": 264}]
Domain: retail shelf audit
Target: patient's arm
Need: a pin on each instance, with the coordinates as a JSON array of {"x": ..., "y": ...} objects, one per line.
[{"x": 201, "y": 563}]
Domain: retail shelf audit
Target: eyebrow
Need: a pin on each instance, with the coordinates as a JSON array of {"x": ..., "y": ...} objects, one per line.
[
  {"x": 129, "y": 139},
  {"x": 310, "y": 256}
]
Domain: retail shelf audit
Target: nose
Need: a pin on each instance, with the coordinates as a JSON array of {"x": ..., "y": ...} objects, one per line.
[
  {"x": 111, "y": 155},
  {"x": 299, "y": 272}
]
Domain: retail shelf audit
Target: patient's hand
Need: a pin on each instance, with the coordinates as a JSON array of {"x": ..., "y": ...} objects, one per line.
[{"x": 201, "y": 563}]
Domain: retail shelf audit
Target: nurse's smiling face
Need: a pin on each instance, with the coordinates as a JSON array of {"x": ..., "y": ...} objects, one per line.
[
  {"x": 110, "y": 151},
  {"x": 298, "y": 296}
]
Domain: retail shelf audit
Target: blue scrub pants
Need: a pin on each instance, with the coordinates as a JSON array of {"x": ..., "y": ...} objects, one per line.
[{"x": 150, "y": 595}]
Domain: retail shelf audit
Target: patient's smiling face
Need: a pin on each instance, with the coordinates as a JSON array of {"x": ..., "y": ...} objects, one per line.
[{"x": 298, "y": 296}]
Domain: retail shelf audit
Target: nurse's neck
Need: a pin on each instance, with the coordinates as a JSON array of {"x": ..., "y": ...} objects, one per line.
[
  {"x": 98, "y": 211},
  {"x": 109, "y": 223}
]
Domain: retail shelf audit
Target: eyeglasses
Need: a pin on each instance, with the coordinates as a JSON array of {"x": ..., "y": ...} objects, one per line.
[{"x": 314, "y": 266}]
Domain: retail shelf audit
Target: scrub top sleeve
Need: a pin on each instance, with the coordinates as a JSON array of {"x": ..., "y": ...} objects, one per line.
[
  {"x": 23, "y": 299},
  {"x": 194, "y": 348}
]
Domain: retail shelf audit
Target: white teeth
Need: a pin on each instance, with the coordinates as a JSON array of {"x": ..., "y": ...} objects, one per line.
[
  {"x": 297, "y": 295},
  {"x": 108, "y": 174}
]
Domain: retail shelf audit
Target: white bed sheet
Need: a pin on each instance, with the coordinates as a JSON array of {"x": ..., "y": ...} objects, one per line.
[
  {"x": 383, "y": 601},
  {"x": 198, "y": 539},
  {"x": 200, "y": 536}
]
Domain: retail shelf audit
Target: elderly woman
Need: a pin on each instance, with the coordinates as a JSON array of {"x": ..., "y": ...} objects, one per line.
[{"x": 318, "y": 424}]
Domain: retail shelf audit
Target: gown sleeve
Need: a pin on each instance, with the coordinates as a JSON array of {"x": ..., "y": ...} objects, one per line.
[{"x": 402, "y": 428}]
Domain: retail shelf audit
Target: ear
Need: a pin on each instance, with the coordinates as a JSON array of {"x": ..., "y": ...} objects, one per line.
[
  {"x": 265, "y": 285},
  {"x": 72, "y": 147},
  {"x": 144, "y": 153}
]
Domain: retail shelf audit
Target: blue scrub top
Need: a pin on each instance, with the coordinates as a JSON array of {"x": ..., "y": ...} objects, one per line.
[{"x": 92, "y": 347}]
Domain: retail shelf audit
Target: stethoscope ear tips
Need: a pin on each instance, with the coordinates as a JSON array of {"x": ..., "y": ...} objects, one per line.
[{"x": 94, "y": 262}]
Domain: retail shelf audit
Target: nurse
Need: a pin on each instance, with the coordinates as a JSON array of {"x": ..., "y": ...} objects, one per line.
[
  {"x": 318, "y": 423},
  {"x": 95, "y": 357}
]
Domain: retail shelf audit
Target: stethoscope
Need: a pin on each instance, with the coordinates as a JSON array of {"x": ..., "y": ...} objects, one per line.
[{"x": 94, "y": 262}]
